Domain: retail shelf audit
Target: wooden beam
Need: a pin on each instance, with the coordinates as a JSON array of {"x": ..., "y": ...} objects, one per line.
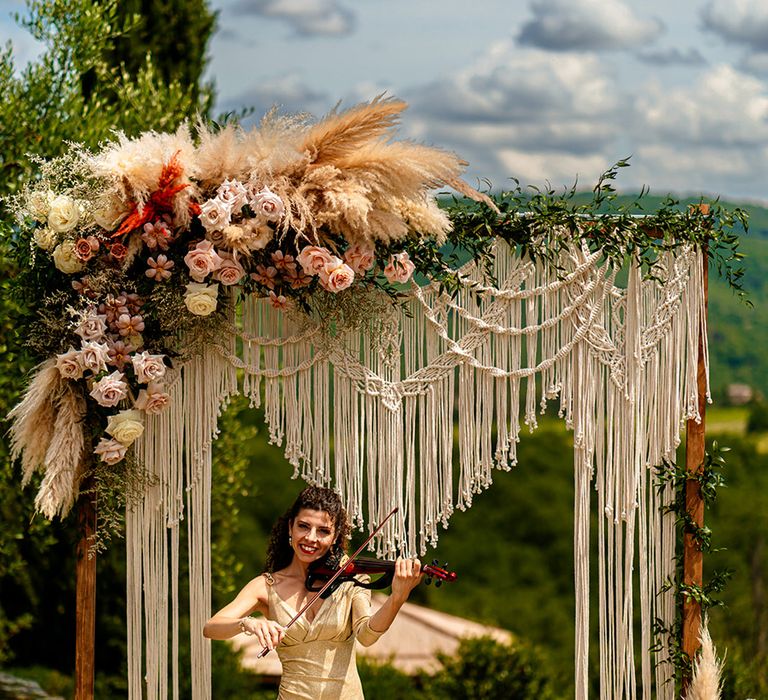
[
  {"x": 85, "y": 610},
  {"x": 695, "y": 447}
]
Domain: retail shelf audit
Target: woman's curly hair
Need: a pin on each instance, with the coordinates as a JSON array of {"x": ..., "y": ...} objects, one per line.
[{"x": 280, "y": 552}]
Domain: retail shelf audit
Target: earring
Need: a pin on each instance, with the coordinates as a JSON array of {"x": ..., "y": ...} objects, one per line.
[{"x": 290, "y": 541}]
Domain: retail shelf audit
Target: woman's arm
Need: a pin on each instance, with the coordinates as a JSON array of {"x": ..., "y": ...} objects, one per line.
[
  {"x": 233, "y": 618},
  {"x": 407, "y": 576}
]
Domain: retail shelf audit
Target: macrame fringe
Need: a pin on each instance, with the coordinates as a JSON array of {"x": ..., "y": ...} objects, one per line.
[
  {"x": 176, "y": 451},
  {"x": 620, "y": 363}
]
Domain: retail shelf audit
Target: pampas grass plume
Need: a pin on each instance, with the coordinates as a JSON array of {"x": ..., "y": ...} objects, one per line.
[
  {"x": 707, "y": 670},
  {"x": 33, "y": 418},
  {"x": 63, "y": 459}
]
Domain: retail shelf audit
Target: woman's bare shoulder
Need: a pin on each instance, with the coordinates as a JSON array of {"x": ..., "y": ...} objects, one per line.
[{"x": 257, "y": 588}]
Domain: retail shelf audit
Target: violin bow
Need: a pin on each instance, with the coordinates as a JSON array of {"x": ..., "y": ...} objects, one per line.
[{"x": 338, "y": 573}]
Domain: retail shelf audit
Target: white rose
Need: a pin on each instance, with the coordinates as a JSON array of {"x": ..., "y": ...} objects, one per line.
[
  {"x": 45, "y": 238},
  {"x": 39, "y": 204},
  {"x": 65, "y": 259},
  {"x": 109, "y": 212},
  {"x": 267, "y": 204},
  {"x": 233, "y": 194},
  {"x": 126, "y": 426},
  {"x": 63, "y": 214},
  {"x": 201, "y": 299},
  {"x": 214, "y": 214}
]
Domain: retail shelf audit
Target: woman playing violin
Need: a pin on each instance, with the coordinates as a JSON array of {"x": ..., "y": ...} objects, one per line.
[{"x": 318, "y": 651}]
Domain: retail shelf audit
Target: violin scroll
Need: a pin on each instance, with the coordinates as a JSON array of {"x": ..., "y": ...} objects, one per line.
[{"x": 441, "y": 573}]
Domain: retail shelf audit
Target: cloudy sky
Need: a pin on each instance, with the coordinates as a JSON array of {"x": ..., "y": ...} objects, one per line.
[{"x": 535, "y": 89}]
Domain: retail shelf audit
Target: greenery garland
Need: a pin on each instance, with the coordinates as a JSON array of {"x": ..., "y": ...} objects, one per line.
[
  {"x": 709, "y": 479},
  {"x": 542, "y": 223}
]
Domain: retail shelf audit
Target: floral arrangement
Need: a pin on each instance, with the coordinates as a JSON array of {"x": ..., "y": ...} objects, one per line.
[{"x": 136, "y": 246}]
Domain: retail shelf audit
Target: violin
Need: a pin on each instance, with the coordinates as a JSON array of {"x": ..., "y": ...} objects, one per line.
[{"x": 321, "y": 571}]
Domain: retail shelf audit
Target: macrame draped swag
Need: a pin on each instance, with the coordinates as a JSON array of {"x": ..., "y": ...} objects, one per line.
[{"x": 620, "y": 363}]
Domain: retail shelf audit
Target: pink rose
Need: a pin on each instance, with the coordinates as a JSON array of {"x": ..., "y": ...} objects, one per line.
[
  {"x": 313, "y": 259},
  {"x": 110, "y": 390},
  {"x": 85, "y": 248},
  {"x": 267, "y": 204},
  {"x": 360, "y": 258},
  {"x": 232, "y": 195},
  {"x": 153, "y": 399},
  {"x": 202, "y": 260},
  {"x": 92, "y": 327},
  {"x": 148, "y": 367},
  {"x": 230, "y": 271},
  {"x": 110, "y": 451},
  {"x": 336, "y": 275},
  {"x": 68, "y": 364},
  {"x": 94, "y": 356},
  {"x": 399, "y": 269}
]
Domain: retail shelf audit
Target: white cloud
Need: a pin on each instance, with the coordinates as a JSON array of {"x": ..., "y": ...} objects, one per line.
[
  {"x": 725, "y": 108},
  {"x": 307, "y": 17},
  {"x": 738, "y": 21},
  {"x": 586, "y": 25},
  {"x": 288, "y": 93},
  {"x": 709, "y": 137},
  {"x": 560, "y": 111}
]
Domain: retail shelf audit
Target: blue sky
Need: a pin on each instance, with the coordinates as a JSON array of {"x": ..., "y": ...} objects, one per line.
[{"x": 535, "y": 89}]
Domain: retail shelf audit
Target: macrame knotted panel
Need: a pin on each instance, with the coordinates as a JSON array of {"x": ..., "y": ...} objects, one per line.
[{"x": 620, "y": 363}]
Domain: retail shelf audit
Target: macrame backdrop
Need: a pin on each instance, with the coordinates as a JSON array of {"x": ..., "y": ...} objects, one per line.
[{"x": 621, "y": 363}]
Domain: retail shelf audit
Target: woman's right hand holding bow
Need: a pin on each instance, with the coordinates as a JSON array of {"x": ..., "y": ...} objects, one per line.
[{"x": 268, "y": 632}]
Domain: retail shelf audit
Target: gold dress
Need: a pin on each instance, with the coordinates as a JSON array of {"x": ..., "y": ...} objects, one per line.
[{"x": 318, "y": 657}]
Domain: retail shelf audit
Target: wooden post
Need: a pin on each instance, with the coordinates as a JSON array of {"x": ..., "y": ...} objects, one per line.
[
  {"x": 695, "y": 447},
  {"x": 85, "y": 610}
]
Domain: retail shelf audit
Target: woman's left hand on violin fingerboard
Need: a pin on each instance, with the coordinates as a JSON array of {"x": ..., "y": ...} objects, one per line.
[{"x": 408, "y": 575}]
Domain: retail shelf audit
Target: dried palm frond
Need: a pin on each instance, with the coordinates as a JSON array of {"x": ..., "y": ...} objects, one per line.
[
  {"x": 342, "y": 133},
  {"x": 707, "y": 670},
  {"x": 33, "y": 418},
  {"x": 63, "y": 468}
]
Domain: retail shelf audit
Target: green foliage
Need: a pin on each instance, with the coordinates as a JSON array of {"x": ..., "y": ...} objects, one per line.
[
  {"x": 758, "y": 417},
  {"x": 740, "y": 519},
  {"x": 382, "y": 681},
  {"x": 484, "y": 669},
  {"x": 176, "y": 32},
  {"x": 45, "y": 105}
]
